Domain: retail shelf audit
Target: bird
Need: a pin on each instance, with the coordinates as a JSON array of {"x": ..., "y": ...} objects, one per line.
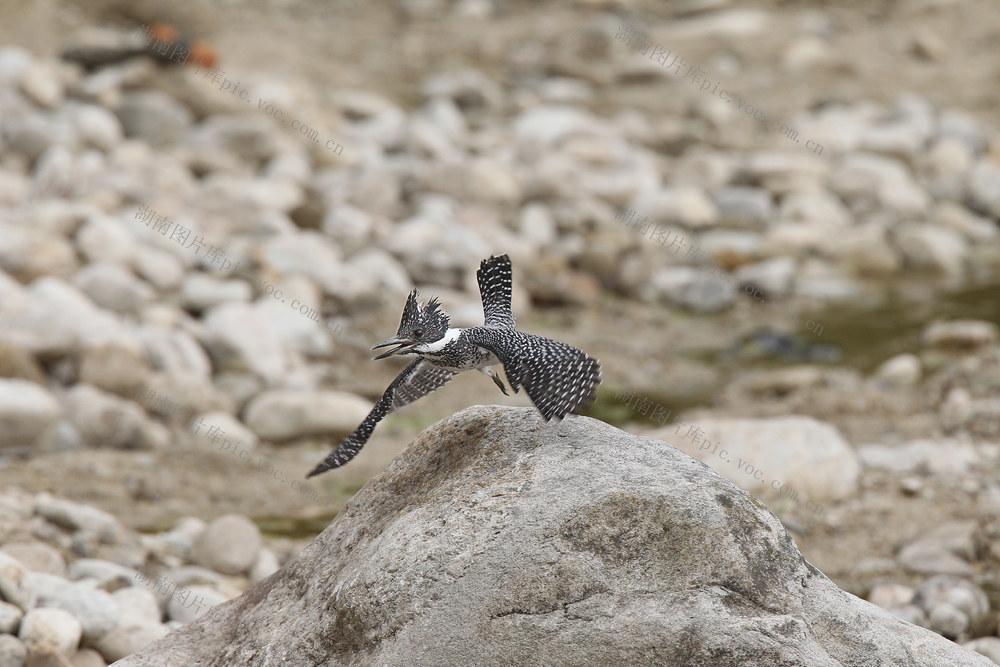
[{"x": 557, "y": 377}]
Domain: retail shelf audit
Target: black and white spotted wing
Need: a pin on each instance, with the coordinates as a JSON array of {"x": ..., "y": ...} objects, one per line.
[
  {"x": 558, "y": 377},
  {"x": 418, "y": 379},
  {"x": 494, "y": 278}
]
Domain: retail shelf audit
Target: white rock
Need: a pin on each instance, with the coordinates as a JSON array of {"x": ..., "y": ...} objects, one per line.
[
  {"x": 869, "y": 182},
  {"x": 688, "y": 206},
  {"x": 229, "y": 545},
  {"x": 37, "y": 557},
  {"x": 889, "y": 596},
  {"x": 946, "y": 620},
  {"x": 114, "y": 368},
  {"x": 138, "y": 605},
  {"x": 127, "y": 638},
  {"x": 238, "y": 338},
  {"x": 775, "y": 457},
  {"x": 201, "y": 291},
  {"x": 903, "y": 370},
  {"x": 41, "y": 83},
  {"x": 266, "y": 565},
  {"x": 15, "y": 583},
  {"x": 730, "y": 248},
  {"x": 196, "y": 602},
  {"x": 548, "y": 125},
  {"x": 50, "y": 628},
  {"x": 174, "y": 351},
  {"x": 160, "y": 268},
  {"x": 282, "y": 414},
  {"x": 945, "y": 457},
  {"x": 987, "y": 646},
  {"x": 28, "y": 413},
  {"x": 107, "y": 240},
  {"x": 95, "y": 609},
  {"x": 96, "y": 126}
]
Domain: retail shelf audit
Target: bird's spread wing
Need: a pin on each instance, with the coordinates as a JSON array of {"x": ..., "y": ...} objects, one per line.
[
  {"x": 494, "y": 278},
  {"x": 418, "y": 379},
  {"x": 558, "y": 378}
]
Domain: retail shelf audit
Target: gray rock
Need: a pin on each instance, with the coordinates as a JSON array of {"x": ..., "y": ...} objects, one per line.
[
  {"x": 28, "y": 413},
  {"x": 50, "y": 628},
  {"x": 29, "y": 253},
  {"x": 284, "y": 414},
  {"x": 594, "y": 547},
  {"x": 37, "y": 557},
  {"x": 128, "y": 638},
  {"x": 114, "y": 367},
  {"x": 10, "y": 618},
  {"x": 193, "y": 603},
  {"x": 744, "y": 207},
  {"x": 231, "y": 429},
  {"x": 15, "y": 583},
  {"x": 927, "y": 246},
  {"x": 699, "y": 290},
  {"x": 684, "y": 205},
  {"x": 937, "y": 457},
  {"x": 95, "y": 609},
  {"x": 229, "y": 545},
  {"x": 869, "y": 182},
  {"x": 948, "y": 621},
  {"x": 108, "y": 576},
  {"x": 88, "y": 657},
  {"x": 105, "y": 420},
  {"x": 960, "y": 334},
  {"x": 77, "y": 517},
  {"x": 772, "y": 277},
  {"x": 113, "y": 287},
  {"x": 238, "y": 338},
  {"x": 96, "y": 126},
  {"x": 12, "y": 652},
  {"x": 154, "y": 117}
]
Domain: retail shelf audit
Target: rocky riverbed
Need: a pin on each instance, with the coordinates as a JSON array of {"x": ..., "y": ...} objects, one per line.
[{"x": 190, "y": 281}]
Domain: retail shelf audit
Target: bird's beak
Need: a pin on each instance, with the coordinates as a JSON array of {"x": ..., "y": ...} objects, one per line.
[{"x": 403, "y": 344}]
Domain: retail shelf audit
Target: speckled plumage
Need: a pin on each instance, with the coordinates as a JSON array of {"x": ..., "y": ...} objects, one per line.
[{"x": 557, "y": 377}]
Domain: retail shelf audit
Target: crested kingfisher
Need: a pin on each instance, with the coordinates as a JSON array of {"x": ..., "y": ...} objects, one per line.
[{"x": 557, "y": 377}]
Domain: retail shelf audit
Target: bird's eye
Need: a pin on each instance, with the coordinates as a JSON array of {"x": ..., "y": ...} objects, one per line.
[{"x": 418, "y": 332}]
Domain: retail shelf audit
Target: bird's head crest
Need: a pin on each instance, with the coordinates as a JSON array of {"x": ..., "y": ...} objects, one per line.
[{"x": 426, "y": 323}]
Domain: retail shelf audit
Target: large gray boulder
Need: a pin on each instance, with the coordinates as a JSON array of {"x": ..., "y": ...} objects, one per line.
[{"x": 497, "y": 538}]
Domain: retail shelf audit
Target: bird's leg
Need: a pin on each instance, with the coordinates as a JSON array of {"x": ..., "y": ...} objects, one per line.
[{"x": 496, "y": 379}]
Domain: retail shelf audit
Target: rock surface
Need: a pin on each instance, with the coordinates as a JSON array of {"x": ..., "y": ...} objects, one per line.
[{"x": 574, "y": 543}]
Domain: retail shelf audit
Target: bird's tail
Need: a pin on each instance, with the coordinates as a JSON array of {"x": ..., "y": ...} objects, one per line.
[{"x": 344, "y": 452}]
